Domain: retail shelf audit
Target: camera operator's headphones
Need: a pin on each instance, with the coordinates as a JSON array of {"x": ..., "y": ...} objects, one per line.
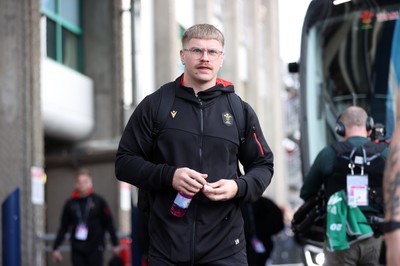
[{"x": 341, "y": 129}]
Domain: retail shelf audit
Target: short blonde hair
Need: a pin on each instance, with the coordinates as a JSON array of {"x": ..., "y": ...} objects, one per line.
[{"x": 203, "y": 31}]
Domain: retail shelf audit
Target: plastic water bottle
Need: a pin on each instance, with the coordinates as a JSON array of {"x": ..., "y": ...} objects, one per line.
[{"x": 180, "y": 205}]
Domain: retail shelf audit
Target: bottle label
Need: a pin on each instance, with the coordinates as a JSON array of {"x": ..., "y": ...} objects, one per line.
[
  {"x": 258, "y": 246},
  {"x": 182, "y": 201}
]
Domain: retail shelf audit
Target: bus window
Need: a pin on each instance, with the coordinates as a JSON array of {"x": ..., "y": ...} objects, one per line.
[{"x": 349, "y": 58}]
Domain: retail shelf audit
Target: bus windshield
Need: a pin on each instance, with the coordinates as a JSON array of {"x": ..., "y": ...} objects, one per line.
[{"x": 351, "y": 59}]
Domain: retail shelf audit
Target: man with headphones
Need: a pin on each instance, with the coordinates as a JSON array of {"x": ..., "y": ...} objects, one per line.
[{"x": 350, "y": 171}]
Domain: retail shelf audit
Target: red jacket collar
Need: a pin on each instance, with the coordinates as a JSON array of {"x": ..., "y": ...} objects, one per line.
[
  {"x": 75, "y": 194},
  {"x": 225, "y": 83}
]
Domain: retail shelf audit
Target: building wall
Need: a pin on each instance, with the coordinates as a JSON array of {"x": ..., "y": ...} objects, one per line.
[
  {"x": 22, "y": 139},
  {"x": 166, "y": 42},
  {"x": 20, "y": 135},
  {"x": 103, "y": 63},
  {"x": 102, "y": 20}
]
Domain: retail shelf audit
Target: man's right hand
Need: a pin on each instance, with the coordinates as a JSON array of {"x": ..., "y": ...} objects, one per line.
[
  {"x": 188, "y": 181},
  {"x": 57, "y": 255}
]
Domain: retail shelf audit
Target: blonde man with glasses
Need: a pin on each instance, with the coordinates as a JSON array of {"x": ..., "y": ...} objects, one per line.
[{"x": 195, "y": 154}]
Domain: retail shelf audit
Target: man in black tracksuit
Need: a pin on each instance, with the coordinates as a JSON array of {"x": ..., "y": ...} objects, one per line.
[
  {"x": 87, "y": 217},
  {"x": 198, "y": 145}
]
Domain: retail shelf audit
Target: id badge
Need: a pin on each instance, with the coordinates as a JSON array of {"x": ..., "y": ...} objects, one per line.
[
  {"x": 257, "y": 245},
  {"x": 81, "y": 232},
  {"x": 357, "y": 190}
]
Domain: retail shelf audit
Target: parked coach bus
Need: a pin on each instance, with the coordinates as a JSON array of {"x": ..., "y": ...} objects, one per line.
[{"x": 350, "y": 55}]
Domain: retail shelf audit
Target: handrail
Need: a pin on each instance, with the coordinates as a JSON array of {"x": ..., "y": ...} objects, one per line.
[{"x": 50, "y": 237}]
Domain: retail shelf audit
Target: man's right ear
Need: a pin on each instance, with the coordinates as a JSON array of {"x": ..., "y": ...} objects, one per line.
[{"x": 182, "y": 55}]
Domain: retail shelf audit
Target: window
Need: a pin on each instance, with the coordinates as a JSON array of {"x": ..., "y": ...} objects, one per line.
[{"x": 63, "y": 32}]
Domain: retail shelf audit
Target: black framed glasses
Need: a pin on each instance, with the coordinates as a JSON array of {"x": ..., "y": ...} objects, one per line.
[{"x": 198, "y": 53}]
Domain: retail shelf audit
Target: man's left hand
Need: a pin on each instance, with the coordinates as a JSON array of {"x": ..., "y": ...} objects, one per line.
[{"x": 222, "y": 190}]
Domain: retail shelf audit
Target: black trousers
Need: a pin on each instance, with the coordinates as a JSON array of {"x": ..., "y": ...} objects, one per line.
[
  {"x": 94, "y": 258},
  {"x": 238, "y": 259}
]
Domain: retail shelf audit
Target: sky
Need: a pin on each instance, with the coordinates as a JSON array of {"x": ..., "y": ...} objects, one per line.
[{"x": 291, "y": 16}]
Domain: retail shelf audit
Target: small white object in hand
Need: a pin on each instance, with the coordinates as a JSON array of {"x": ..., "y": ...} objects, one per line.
[{"x": 208, "y": 187}]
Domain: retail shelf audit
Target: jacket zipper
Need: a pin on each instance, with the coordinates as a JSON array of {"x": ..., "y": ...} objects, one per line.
[
  {"x": 257, "y": 141},
  {"x": 200, "y": 157},
  {"x": 201, "y": 129}
]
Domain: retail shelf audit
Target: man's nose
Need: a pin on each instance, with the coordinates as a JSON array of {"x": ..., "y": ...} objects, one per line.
[{"x": 204, "y": 55}]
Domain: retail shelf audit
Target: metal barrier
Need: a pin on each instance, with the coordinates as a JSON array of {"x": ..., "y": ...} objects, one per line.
[{"x": 49, "y": 238}]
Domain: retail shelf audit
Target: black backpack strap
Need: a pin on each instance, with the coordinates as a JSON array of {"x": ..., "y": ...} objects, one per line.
[
  {"x": 167, "y": 97},
  {"x": 236, "y": 105}
]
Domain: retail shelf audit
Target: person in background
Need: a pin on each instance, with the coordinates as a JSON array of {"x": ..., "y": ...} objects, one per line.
[
  {"x": 339, "y": 169},
  {"x": 196, "y": 154},
  {"x": 87, "y": 217},
  {"x": 391, "y": 186},
  {"x": 262, "y": 220}
]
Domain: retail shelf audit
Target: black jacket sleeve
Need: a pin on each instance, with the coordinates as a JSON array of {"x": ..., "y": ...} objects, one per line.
[
  {"x": 64, "y": 226},
  {"x": 108, "y": 222},
  {"x": 257, "y": 159},
  {"x": 134, "y": 154}
]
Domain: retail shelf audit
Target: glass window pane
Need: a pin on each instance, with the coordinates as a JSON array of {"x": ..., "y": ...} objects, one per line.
[
  {"x": 70, "y": 44},
  {"x": 51, "y": 39},
  {"x": 70, "y": 10},
  {"x": 49, "y": 5}
]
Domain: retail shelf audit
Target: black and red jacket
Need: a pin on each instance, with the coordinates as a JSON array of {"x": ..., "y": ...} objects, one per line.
[
  {"x": 99, "y": 221},
  {"x": 200, "y": 138}
]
